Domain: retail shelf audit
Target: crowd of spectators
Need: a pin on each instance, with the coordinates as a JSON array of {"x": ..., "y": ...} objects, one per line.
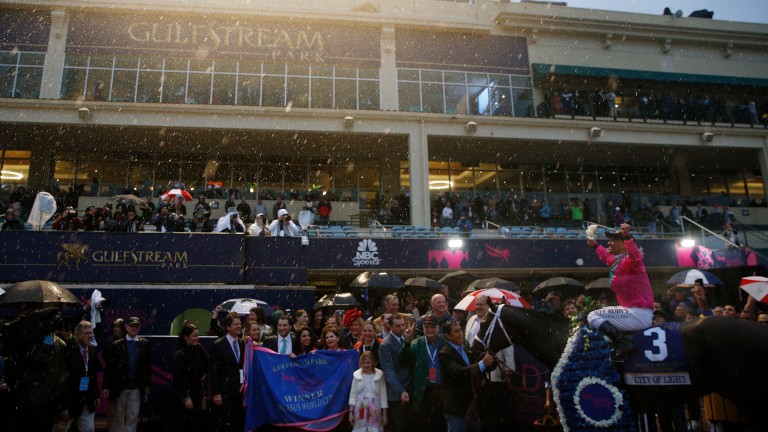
[{"x": 687, "y": 108}]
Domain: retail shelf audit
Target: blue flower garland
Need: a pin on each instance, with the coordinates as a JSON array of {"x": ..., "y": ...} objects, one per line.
[{"x": 587, "y": 388}]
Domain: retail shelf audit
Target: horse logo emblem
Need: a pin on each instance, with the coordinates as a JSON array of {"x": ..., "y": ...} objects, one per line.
[{"x": 72, "y": 252}]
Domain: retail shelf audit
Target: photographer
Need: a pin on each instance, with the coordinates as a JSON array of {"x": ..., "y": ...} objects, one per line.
[
  {"x": 283, "y": 226},
  {"x": 259, "y": 227},
  {"x": 165, "y": 221},
  {"x": 68, "y": 221}
]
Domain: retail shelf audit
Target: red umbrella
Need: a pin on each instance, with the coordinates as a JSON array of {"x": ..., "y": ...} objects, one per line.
[
  {"x": 496, "y": 295},
  {"x": 756, "y": 286},
  {"x": 173, "y": 194}
]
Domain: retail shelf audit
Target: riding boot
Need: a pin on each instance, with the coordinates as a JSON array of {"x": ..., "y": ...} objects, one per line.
[{"x": 621, "y": 343}]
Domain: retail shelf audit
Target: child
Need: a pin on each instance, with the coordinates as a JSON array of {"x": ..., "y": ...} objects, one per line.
[{"x": 368, "y": 397}]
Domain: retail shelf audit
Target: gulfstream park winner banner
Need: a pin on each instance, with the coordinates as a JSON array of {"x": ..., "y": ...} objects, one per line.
[{"x": 310, "y": 391}]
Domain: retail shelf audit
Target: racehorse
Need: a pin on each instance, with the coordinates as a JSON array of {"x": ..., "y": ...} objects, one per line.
[{"x": 724, "y": 355}]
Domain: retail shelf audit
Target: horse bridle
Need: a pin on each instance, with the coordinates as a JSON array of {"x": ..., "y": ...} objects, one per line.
[{"x": 486, "y": 340}]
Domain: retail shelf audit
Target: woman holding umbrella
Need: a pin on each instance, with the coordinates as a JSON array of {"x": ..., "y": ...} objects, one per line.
[
  {"x": 629, "y": 280},
  {"x": 190, "y": 366}
]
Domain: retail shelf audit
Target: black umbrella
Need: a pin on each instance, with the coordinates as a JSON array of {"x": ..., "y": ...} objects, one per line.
[
  {"x": 458, "y": 280},
  {"x": 598, "y": 284},
  {"x": 689, "y": 277},
  {"x": 338, "y": 300},
  {"x": 377, "y": 280},
  {"x": 37, "y": 292},
  {"x": 566, "y": 286},
  {"x": 423, "y": 282},
  {"x": 130, "y": 199},
  {"x": 493, "y": 282}
]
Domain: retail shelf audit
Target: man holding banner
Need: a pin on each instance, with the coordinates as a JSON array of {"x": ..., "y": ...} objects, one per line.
[{"x": 227, "y": 377}]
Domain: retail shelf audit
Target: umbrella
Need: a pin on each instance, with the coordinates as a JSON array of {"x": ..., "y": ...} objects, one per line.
[
  {"x": 242, "y": 306},
  {"x": 458, "y": 280},
  {"x": 38, "y": 292},
  {"x": 568, "y": 287},
  {"x": 598, "y": 284},
  {"x": 377, "y": 280},
  {"x": 493, "y": 283},
  {"x": 496, "y": 295},
  {"x": 756, "y": 286},
  {"x": 175, "y": 193},
  {"x": 423, "y": 282},
  {"x": 338, "y": 300},
  {"x": 688, "y": 277},
  {"x": 130, "y": 199}
]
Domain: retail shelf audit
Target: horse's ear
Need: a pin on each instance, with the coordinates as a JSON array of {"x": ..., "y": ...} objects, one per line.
[{"x": 492, "y": 306}]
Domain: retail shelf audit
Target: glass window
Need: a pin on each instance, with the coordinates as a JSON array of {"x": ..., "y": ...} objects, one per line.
[
  {"x": 225, "y": 66},
  {"x": 224, "y": 89},
  {"x": 274, "y": 69},
  {"x": 126, "y": 62},
  {"x": 298, "y": 91},
  {"x": 124, "y": 87},
  {"x": 150, "y": 84},
  {"x": 346, "y": 72},
  {"x": 368, "y": 73},
  {"x": 407, "y": 74},
  {"x": 249, "y": 67},
  {"x": 151, "y": 63},
  {"x": 249, "y": 90},
  {"x": 102, "y": 61},
  {"x": 409, "y": 96},
  {"x": 274, "y": 90},
  {"x": 432, "y": 98},
  {"x": 322, "y": 93},
  {"x": 28, "y": 83},
  {"x": 322, "y": 71},
  {"x": 8, "y": 81},
  {"x": 199, "y": 91},
  {"x": 431, "y": 76},
  {"x": 501, "y": 102},
  {"x": 369, "y": 95},
  {"x": 520, "y": 81},
  {"x": 201, "y": 66},
  {"x": 455, "y": 99},
  {"x": 271, "y": 181},
  {"x": 99, "y": 82},
  {"x": 32, "y": 59},
  {"x": 346, "y": 94},
  {"x": 523, "y": 103},
  {"x": 73, "y": 84},
  {"x": 70, "y": 60},
  {"x": 174, "y": 87}
]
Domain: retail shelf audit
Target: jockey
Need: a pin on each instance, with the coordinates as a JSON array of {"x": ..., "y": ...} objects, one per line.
[{"x": 629, "y": 281}]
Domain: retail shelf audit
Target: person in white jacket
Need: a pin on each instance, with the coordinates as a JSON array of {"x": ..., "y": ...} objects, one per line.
[
  {"x": 259, "y": 227},
  {"x": 368, "y": 397},
  {"x": 283, "y": 226}
]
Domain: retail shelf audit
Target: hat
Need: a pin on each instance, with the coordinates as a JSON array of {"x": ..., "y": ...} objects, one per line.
[
  {"x": 132, "y": 321},
  {"x": 429, "y": 319},
  {"x": 615, "y": 235},
  {"x": 660, "y": 312},
  {"x": 282, "y": 212},
  {"x": 9, "y": 211}
]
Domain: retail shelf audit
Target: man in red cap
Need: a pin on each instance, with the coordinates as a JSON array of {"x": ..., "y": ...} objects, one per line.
[{"x": 629, "y": 281}]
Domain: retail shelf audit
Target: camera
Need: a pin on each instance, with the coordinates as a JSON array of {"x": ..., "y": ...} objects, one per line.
[{"x": 287, "y": 217}]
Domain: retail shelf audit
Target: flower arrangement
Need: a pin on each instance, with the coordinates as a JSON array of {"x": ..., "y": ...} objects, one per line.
[
  {"x": 587, "y": 387},
  {"x": 592, "y": 232}
]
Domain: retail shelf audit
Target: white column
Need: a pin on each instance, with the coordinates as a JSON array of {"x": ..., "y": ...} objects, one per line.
[
  {"x": 388, "y": 72},
  {"x": 418, "y": 170},
  {"x": 53, "y": 67}
]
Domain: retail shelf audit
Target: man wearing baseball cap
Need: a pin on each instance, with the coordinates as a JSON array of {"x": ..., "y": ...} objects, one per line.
[
  {"x": 629, "y": 281},
  {"x": 283, "y": 226},
  {"x": 127, "y": 376},
  {"x": 427, "y": 390}
]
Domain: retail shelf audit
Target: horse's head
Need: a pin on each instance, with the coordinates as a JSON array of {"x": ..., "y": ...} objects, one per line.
[{"x": 492, "y": 335}]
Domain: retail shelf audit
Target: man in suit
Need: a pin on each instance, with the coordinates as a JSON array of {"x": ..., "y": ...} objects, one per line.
[
  {"x": 127, "y": 377},
  {"x": 426, "y": 390},
  {"x": 396, "y": 373},
  {"x": 458, "y": 373},
  {"x": 82, "y": 384},
  {"x": 391, "y": 307},
  {"x": 283, "y": 341},
  {"x": 227, "y": 377}
]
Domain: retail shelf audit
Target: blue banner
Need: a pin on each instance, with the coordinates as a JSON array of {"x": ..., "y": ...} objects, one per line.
[{"x": 310, "y": 391}]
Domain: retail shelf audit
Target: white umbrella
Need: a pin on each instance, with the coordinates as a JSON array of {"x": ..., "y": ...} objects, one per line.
[
  {"x": 688, "y": 277},
  {"x": 42, "y": 210},
  {"x": 756, "y": 286},
  {"x": 243, "y": 306}
]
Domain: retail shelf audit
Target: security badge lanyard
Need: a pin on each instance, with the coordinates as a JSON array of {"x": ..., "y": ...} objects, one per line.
[
  {"x": 432, "y": 363},
  {"x": 85, "y": 381}
]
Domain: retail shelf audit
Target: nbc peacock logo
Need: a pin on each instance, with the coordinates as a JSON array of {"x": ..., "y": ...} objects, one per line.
[{"x": 367, "y": 254}]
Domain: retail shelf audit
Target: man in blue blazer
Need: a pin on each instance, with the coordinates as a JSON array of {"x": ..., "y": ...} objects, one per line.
[{"x": 397, "y": 374}]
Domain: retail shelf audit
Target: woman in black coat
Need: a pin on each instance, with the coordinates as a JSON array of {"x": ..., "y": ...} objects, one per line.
[{"x": 190, "y": 366}]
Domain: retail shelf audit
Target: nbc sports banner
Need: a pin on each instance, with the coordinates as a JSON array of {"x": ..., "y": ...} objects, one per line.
[{"x": 310, "y": 391}]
